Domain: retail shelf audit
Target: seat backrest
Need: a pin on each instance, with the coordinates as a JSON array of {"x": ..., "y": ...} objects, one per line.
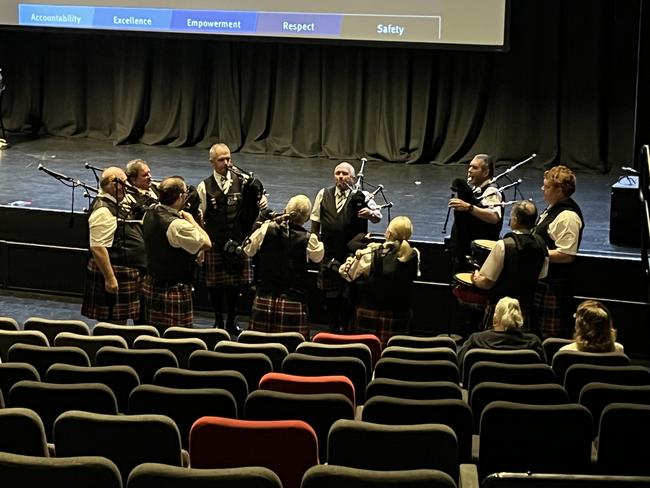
[
  {"x": 287, "y": 447},
  {"x": 120, "y": 379},
  {"x": 152, "y": 475},
  {"x": 52, "y": 327},
  {"x": 210, "y": 336},
  {"x": 518, "y": 437},
  {"x": 420, "y": 353},
  {"x": 326, "y": 476},
  {"x": 8, "y": 323},
  {"x": 42, "y": 357},
  {"x": 49, "y": 400},
  {"x": 127, "y": 440},
  {"x": 231, "y": 381},
  {"x": 516, "y": 356},
  {"x": 352, "y": 350},
  {"x": 409, "y": 370},
  {"x": 71, "y": 472},
  {"x": 414, "y": 390},
  {"x": 89, "y": 344},
  {"x": 22, "y": 432},
  {"x": 624, "y": 428},
  {"x": 596, "y": 396},
  {"x": 485, "y": 393},
  {"x": 128, "y": 332},
  {"x": 579, "y": 375},
  {"x": 564, "y": 359},
  {"x": 539, "y": 480},
  {"x": 396, "y": 411},
  {"x": 184, "y": 406},
  {"x": 352, "y": 368},
  {"x": 182, "y": 348},
  {"x": 12, "y": 373},
  {"x": 423, "y": 342},
  {"x": 290, "y": 340},
  {"x": 10, "y": 337},
  {"x": 365, "y": 445},
  {"x": 515, "y": 374},
  {"x": 275, "y": 352},
  {"x": 551, "y": 345},
  {"x": 252, "y": 365},
  {"x": 145, "y": 362},
  {"x": 289, "y": 383},
  {"x": 320, "y": 411},
  {"x": 370, "y": 340}
]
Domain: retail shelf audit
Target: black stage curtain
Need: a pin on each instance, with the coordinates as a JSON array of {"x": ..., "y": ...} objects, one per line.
[{"x": 564, "y": 90}]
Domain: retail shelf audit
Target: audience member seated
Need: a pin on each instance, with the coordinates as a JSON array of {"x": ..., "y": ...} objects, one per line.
[
  {"x": 594, "y": 331},
  {"x": 506, "y": 333}
]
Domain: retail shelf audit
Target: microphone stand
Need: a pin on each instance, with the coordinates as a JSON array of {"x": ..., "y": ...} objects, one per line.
[
  {"x": 510, "y": 170},
  {"x": 95, "y": 170}
]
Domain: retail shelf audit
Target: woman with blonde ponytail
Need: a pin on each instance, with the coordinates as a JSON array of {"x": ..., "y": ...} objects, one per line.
[
  {"x": 506, "y": 333},
  {"x": 384, "y": 274}
]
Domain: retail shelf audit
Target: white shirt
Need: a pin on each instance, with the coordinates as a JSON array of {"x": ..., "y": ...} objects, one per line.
[
  {"x": 315, "y": 212},
  {"x": 223, "y": 182},
  {"x": 492, "y": 196},
  {"x": 564, "y": 231},
  {"x": 182, "y": 234},
  {"x": 102, "y": 224},
  {"x": 315, "y": 248},
  {"x": 493, "y": 265},
  {"x": 360, "y": 264}
]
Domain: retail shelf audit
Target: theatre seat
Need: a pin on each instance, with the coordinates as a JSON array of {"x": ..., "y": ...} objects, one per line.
[
  {"x": 370, "y": 340},
  {"x": 251, "y": 365},
  {"x": 210, "y": 336},
  {"x": 562, "y": 360},
  {"x": 514, "y": 374},
  {"x": 622, "y": 440},
  {"x": 286, "y": 447},
  {"x": 42, "y": 357},
  {"x": 518, "y": 356},
  {"x": 151, "y": 475},
  {"x": 274, "y": 351},
  {"x": 410, "y": 370},
  {"x": 289, "y": 383},
  {"x": 182, "y": 348},
  {"x": 10, "y": 337},
  {"x": 8, "y": 323},
  {"x": 89, "y": 344},
  {"x": 580, "y": 375},
  {"x": 51, "y": 328},
  {"x": 354, "y": 350},
  {"x": 325, "y": 476},
  {"x": 145, "y": 362},
  {"x": 422, "y": 342},
  {"x": 12, "y": 373},
  {"x": 22, "y": 432},
  {"x": 290, "y": 340},
  {"x": 420, "y": 353},
  {"x": 128, "y": 332}
]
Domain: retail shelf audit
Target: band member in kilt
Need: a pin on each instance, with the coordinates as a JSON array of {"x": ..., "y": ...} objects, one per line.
[
  {"x": 173, "y": 239},
  {"x": 340, "y": 214},
  {"x": 144, "y": 193},
  {"x": 117, "y": 255},
  {"x": 384, "y": 275},
  {"x": 561, "y": 226},
  {"x": 284, "y": 249},
  {"x": 515, "y": 264},
  {"x": 475, "y": 214},
  {"x": 230, "y": 204}
]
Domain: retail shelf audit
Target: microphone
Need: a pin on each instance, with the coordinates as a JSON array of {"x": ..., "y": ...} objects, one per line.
[
  {"x": 56, "y": 175},
  {"x": 627, "y": 169}
]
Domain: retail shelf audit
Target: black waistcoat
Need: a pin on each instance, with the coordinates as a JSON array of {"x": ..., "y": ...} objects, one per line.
[
  {"x": 282, "y": 264},
  {"x": 390, "y": 282},
  {"x": 223, "y": 212},
  {"x": 337, "y": 229},
  {"x": 558, "y": 270},
  {"x": 524, "y": 258},
  {"x": 166, "y": 264},
  {"x": 128, "y": 243}
]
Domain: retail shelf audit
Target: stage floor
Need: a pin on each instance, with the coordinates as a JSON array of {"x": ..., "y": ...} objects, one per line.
[{"x": 418, "y": 191}]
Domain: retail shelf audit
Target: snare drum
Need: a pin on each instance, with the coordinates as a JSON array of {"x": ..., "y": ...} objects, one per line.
[
  {"x": 467, "y": 293},
  {"x": 481, "y": 249}
]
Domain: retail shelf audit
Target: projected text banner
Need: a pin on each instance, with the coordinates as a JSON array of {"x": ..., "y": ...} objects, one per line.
[{"x": 473, "y": 22}]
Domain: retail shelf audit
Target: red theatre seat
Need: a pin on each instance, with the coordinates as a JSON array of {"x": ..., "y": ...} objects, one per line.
[
  {"x": 370, "y": 340},
  {"x": 289, "y": 383}
]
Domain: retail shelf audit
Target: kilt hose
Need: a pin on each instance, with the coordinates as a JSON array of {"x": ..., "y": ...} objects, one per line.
[
  {"x": 553, "y": 305},
  {"x": 278, "y": 314},
  {"x": 383, "y": 323},
  {"x": 166, "y": 307},
  {"x": 100, "y": 305},
  {"x": 217, "y": 273}
]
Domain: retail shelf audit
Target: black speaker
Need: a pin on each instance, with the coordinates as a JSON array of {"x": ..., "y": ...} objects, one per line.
[{"x": 625, "y": 213}]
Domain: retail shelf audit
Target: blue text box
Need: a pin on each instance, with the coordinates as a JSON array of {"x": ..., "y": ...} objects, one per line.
[
  {"x": 55, "y": 16},
  {"x": 214, "y": 21},
  {"x": 133, "y": 18}
]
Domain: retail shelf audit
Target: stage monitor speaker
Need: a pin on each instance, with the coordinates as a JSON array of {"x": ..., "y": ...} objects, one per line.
[{"x": 625, "y": 213}]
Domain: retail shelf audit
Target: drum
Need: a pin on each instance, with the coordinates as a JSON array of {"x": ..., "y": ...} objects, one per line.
[
  {"x": 481, "y": 249},
  {"x": 467, "y": 293}
]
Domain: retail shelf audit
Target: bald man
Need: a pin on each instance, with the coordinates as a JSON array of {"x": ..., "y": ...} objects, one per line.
[
  {"x": 338, "y": 216},
  {"x": 117, "y": 255}
]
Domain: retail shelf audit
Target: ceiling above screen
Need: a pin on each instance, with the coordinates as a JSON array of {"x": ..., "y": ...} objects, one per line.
[{"x": 452, "y": 23}]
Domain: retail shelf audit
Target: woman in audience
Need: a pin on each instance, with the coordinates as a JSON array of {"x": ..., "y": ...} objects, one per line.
[
  {"x": 506, "y": 333},
  {"x": 593, "y": 330}
]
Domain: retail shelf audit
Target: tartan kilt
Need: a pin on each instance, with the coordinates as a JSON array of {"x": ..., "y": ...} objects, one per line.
[
  {"x": 553, "y": 306},
  {"x": 279, "y": 314},
  {"x": 96, "y": 301},
  {"x": 216, "y": 274},
  {"x": 166, "y": 307},
  {"x": 383, "y": 323},
  {"x": 331, "y": 283}
]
